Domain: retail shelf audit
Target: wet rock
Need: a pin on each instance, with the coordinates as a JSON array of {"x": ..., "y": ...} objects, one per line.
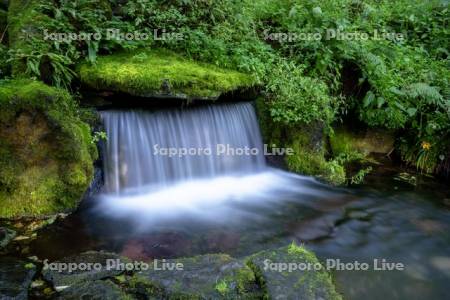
[
  {"x": 358, "y": 215},
  {"x": 316, "y": 228},
  {"x": 105, "y": 290},
  {"x": 310, "y": 281},
  {"x": 212, "y": 276},
  {"x": 15, "y": 278},
  {"x": 88, "y": 266},
  {"x": 6, "y": 236}
]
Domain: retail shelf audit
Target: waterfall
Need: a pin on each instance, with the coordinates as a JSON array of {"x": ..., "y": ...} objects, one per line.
[{"x": 145, "y": 148}]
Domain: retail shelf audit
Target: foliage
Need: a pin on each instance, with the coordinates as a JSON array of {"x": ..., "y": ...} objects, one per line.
[
  {"x": 298, "y": 99},
  {"x": 358, "y": 178},
  {"x": 404, "y": 81},
  {"x": 36, "y": 55}
]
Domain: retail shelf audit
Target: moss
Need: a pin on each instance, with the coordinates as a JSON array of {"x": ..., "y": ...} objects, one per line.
[
  {"x": 161, "y": 73},
  {"x": 310, "y": 160},
  {"x": 313, "y": 283},
  {"x": 46, "y": 160},
  {"x": 222, "y": 287},
  {"x": 307, "y": 143},
  {"x": 360, "y": 144}
]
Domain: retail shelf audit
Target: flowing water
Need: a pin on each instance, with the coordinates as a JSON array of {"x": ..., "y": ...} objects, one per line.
[
  {"x": 156, "y": 206},
  {"x": 145, "y": 148}
]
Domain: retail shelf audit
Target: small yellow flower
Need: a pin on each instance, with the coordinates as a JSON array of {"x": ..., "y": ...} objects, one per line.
[{"x": 426, "y": 146}]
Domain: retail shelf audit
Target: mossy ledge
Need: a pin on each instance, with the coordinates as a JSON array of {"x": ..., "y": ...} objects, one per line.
[
  {"x": 161, "y": 74},
  {"x": 308, "y": 144},
  {"x": 46, "y": 151}
]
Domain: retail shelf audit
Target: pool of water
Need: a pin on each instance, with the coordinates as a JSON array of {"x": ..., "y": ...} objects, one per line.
[{"x": 403, "y": 220}]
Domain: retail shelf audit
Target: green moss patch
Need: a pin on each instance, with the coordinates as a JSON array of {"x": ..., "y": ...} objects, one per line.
[
  {"x": 46, "y": 154},
  {"x": 211, "y": 276},
  {"x": 309, "y": 282},
  {"x": 160, "y": 73},
  {"x": 346, "y": 142}
]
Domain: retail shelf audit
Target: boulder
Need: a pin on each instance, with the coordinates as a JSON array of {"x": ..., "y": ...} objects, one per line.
[
  {"x": 212, "y": 276},
  {"x": 15, "y": 278},
  {"x": 307, "y": 143},
  {"x": 88, "y": 266},
  {"x": 161, "y": 74},
  {"x": 279, "y": 283},
  {"x": 46, "y": 151},
  {"x": 364, "y": 142},
  {"x": 105, "y": 290}
]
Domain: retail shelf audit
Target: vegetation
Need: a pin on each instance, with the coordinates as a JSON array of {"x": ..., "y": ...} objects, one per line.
[
  {"x": 46, "y": 160},
  {"x": 293, "y": 48},
  {"x": 160, "y": 72}
]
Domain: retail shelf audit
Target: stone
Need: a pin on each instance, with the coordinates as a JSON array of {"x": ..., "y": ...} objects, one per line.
[
  {"x": 62, "y": 279},
  {"x": 211, "y": 276},
  {"x": 104, "y": 290},
  {"x": 311, "y": 283},
  {"x": 6, "y": 236},
  {"x": 15, "y": 278},
  {"x": 47, "y": 154}
]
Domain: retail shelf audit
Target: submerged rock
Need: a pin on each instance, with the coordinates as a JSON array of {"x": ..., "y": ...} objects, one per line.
[
  {"x": 105, "y": 290},
  {"x": 6, "y": 236},
  {"x": 88, "y": 266},
  {"x": 161, "y": 74},
  {"x": 15, "y": 278},
  {"x": 272, "y": 270},
  {"x": 213, "y": 276}
]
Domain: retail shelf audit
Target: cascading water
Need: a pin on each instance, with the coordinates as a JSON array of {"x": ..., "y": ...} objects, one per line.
[
  {"x": 145, "y": 148},
  {"x": 218, "y": 158}
]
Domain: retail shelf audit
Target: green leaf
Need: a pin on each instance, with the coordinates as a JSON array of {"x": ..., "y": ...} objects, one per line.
[
  {"x": 368, "y": 99},
  {"x": 411, "y": 111},
  {"x": 380, "y": 102}
]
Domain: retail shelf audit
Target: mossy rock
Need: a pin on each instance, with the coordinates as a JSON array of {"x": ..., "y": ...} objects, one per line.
[
  {"x": 161, "y": 74},
  {"x": 105, "y": 290},
  {"x": 309, "y": 156},
  {"x": 211, "y": 276},
  {"x": 15, "y": 278},
  {"x": 307, "y": 142},
  {"x": 65, "y": 278},
  {"x": 313, "y": 283},
  {"x": 364, "y": 142},
  {"x": 46, "y": 151}
]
